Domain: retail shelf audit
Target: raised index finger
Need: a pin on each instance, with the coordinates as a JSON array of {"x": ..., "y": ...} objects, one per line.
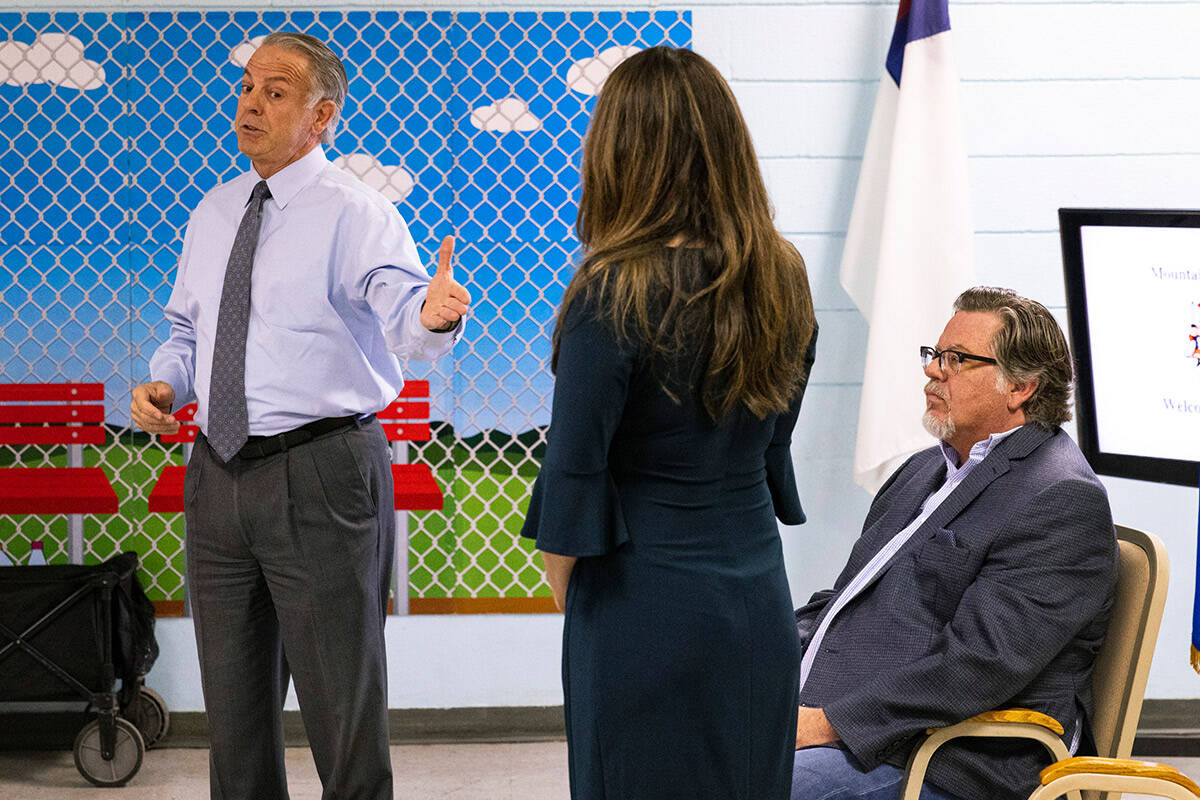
[{"x": 445, "y": 258}]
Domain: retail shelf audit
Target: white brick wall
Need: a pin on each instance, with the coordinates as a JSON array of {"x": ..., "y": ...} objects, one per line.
[{"x": 1065, "y": 103}]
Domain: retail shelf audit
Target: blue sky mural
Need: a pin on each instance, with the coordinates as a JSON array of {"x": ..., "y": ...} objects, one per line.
[{"x": 114, "y": 126}]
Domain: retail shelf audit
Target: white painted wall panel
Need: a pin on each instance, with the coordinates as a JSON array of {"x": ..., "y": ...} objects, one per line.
[
  {"x": 995, "y": 41},
  {"x": 830, "y": 411},
  {"x": 439, "y": 661},
  {"x": 841, "y": 348},
  {"x": 1082, "y": 117},
  {"x": 822, "y": 255},
  {"x": 1000, "y": 41},
  {"x": 1029, "y": 263},
  {"x": 1020, "y": 193},
  {"x": 1169, "y": 512},
  {"x": 1064, "y": 104},
  {"x": 823, "y": 448},
  {"x": 818, "y": 42},
  {"x": 813, "y": 118},
  {"x": 1099, "y": 40},
  {"x": 811, "y": 195},
  {"x": 713, "y": 38},
  {"x": 816, "y": 551},
  {"x": 1059, "y": 117},
  {"x": 1023, "y": 193},
  {"x": 1056, "y": 78}
]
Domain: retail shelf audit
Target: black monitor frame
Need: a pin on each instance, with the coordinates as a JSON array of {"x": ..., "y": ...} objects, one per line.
[{"x": 1070, "y": 220}]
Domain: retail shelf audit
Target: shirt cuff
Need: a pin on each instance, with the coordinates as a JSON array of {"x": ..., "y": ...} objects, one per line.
[
  {"x": 174, "y": 377},
  {"x": 426, "y": 345}
]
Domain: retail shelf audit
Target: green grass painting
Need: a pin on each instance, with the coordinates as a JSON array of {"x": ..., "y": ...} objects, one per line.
[{"x": 470, "y": 548}]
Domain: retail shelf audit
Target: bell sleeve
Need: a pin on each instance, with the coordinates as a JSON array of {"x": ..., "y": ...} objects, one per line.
[
  {"x": 575, "y": 509},
  {"x": 781, "y": 475}
]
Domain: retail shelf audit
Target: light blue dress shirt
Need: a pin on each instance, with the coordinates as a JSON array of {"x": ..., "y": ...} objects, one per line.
[
  {"x": 955, "y": 475},
  {"x": 335, "y": 299}
]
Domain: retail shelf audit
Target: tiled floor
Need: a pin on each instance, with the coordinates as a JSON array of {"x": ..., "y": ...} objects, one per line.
[
  {"x": 535, "y": 771},
  {"x": 423, "y": 772}
]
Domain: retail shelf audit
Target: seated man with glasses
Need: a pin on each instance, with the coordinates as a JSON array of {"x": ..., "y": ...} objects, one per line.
[{"x": 983, "y": 577}]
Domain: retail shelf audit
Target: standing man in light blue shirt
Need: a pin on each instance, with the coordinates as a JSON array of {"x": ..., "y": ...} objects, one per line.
[
  {"x": 983, "y": 578},
  {"x": 299, "y": 294}
]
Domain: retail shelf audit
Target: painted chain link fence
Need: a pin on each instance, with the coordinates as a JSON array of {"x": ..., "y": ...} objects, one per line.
[{"x": 113, "y": 127}]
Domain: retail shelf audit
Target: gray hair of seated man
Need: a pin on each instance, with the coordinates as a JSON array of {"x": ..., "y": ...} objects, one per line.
[{"x": 1029, "y": 346}]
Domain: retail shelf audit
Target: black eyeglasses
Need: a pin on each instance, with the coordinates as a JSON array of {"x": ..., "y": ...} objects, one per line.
[{"x": 950, "y": 360}]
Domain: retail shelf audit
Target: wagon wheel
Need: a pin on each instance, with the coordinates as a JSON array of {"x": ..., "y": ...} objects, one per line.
[
  {"x": 127, "y": 754},
  {"x": 149, "y": 713}
]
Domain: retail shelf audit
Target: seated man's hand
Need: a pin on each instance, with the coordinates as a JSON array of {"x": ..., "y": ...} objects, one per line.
[
  {"x": 813, "y": 728},
  {"x": 151, "y": 407}
]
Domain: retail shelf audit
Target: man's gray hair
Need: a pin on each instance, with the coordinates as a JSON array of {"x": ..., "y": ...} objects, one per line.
[
  {"x": 1029, "y": 346},
  {"x": 326, "y": 73}
]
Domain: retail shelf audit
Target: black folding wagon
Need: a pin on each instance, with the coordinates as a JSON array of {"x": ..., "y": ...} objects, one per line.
[{"x": 69, "y": 633}]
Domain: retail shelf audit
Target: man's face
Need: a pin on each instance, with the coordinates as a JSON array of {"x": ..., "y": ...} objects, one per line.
[
  {"x": 275, "y": 124},
  {"x": 968, "y": 407}
]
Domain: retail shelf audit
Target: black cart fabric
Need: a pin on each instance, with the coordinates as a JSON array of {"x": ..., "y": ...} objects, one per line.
[{"x": 73, "y": 637}]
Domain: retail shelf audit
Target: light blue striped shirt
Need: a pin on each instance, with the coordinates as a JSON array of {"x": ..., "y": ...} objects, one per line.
[
  {"x": 955, "y": 475},
  {"x": 335, "y": 299}
]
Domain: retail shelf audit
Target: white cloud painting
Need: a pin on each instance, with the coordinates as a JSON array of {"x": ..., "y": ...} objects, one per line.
[
  {"x": 587, "y": 75},
  {"x": 240, "y": 55},
  {"x": 502, "y": 116},
  {"x": 393, "y": 182},
  {"x": 53, "y": 58}
]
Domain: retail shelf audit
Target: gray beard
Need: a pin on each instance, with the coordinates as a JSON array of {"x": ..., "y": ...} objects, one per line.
[{"x": 938, "y": 429}]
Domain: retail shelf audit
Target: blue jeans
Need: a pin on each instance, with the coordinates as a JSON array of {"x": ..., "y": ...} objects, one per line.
[{"x": 831, "y": 773}]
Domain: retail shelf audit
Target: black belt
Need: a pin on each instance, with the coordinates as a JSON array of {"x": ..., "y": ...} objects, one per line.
[{"x": 261, "y": 446}]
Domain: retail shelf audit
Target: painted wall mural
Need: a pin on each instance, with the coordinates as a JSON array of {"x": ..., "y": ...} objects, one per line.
[{"x": 114, "y": 126}]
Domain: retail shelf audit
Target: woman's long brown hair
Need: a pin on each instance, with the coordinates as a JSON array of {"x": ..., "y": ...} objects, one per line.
[{"x": 667, "y": 160}]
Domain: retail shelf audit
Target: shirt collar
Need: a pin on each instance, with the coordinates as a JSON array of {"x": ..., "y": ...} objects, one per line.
[
  {"x": 979, "y": 451},
  {"x": 288, "y": 182}
]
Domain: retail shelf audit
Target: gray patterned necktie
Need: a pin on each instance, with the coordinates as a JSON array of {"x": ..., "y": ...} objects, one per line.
[{"x": 228, "y": 424}]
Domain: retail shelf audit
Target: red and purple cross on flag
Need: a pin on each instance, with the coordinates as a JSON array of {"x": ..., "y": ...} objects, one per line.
[
  {"x": 915, "y": 21},
  {"x": 909, "y": 245}
]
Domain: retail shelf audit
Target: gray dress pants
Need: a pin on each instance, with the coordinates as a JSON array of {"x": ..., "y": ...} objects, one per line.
[{"x": 289, "y": 561}]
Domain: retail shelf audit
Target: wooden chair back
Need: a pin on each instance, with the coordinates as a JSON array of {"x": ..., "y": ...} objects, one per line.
[{"x": 1123, "y": 663}]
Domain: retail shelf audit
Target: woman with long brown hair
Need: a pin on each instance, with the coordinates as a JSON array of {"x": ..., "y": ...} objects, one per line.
[{"x": 682, "y": 349}]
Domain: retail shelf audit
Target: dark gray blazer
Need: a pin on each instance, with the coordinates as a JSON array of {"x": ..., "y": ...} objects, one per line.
[{"x": 1001, "y": 598}]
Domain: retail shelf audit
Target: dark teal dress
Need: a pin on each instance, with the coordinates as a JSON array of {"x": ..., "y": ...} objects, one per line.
[{"x": 680, "y": 654}]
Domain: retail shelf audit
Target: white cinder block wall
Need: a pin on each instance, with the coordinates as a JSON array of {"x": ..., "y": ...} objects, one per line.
[
  {"x": 1065, "y": 104},
  {"x": 1086, "y": 103}
]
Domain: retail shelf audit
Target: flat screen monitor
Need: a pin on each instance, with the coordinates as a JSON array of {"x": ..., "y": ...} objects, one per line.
[{"x": 1133, "y": 304}]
